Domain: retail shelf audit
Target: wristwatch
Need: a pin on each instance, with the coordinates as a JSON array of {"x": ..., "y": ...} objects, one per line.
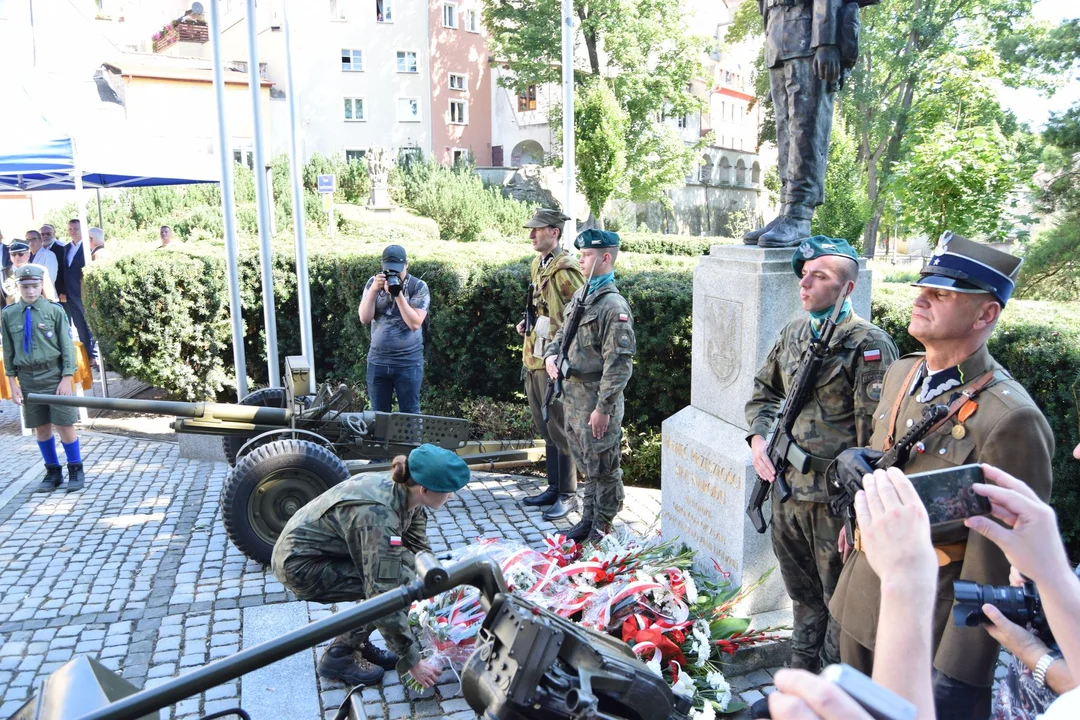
[{"x": 1042, "y": 666}]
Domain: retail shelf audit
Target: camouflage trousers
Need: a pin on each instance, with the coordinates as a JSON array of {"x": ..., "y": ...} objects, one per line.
[
  {"x": 804, "y": 538},
  {"x": 327, "y": 580},
  {"x": 603, "y": 494}
]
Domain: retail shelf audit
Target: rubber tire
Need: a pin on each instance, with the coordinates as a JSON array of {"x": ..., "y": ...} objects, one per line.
[
  {"x": 263, "y": 397},
  {"x": 253, "y": 469}
]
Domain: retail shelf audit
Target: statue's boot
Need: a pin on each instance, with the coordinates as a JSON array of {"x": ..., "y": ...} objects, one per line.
[
  {"x": 788, "y": 232},
  {"x": 751, "y": 237}
]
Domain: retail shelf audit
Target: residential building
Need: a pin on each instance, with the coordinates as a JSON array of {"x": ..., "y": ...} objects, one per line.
[{"x": 520, "y": 132}]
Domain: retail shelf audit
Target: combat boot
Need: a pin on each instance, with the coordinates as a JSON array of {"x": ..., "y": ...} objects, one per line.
[
  {"x": 376, "y": 655},
  {"x": 76, "y": 479},
  {"x": 580, "y": 531},
  {"x": 751, "y": 237},
  {"x": 54, "y": 475},
  {"x": 760, "y": 709},
  {"x": 565, "y": 505},
  {"x": 789, "y": 232},
  {"x": 339, "y": 663}
]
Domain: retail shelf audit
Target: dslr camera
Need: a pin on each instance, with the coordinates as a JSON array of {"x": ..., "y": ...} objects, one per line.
[
  {"x": 1021, "y": 605},
  {"x": 393, "y": 283}
]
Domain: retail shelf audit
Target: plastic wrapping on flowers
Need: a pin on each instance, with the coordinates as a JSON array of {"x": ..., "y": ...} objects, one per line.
[{"x": 679, "y": 623}]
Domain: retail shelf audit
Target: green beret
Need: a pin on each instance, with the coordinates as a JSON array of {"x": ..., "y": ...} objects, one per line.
[
  {"x": 593, "y": 238},
  {"x": 438, "y": 469},
  {"x": 819, "y": 246},
  {"x": 30, "y": 273}
]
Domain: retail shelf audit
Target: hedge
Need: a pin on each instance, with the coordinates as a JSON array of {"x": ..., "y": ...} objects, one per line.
[
  {"x": 657, "y": 244},
  {"x": 163, "y": 317}
]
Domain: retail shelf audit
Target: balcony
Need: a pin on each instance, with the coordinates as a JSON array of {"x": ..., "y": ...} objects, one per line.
[{"x": 185, "y": 29}]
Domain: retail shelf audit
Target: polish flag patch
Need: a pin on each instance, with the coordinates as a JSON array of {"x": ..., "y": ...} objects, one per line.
[
  {"x": 395, "y": 541},
  {"x": 623, "y": 317},
  {"x": 871, "y": 355}
]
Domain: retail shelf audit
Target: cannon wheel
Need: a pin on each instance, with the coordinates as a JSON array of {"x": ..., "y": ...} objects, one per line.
[
  {"x": 263, "y": 397},
  {"x": 269, "y": 485}
]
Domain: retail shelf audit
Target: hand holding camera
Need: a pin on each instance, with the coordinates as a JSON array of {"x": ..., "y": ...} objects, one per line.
[{"x": 391, "y": 282}]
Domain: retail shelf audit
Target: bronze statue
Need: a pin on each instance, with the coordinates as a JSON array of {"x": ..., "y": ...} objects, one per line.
[{"x": 810, "y": 45}]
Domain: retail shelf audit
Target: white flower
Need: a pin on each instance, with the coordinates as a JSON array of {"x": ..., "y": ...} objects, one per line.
[
  {"x": 654, "y": 665},
  {"x": 701, "y": 642},
  {"x": 684, "y": 685},
  {"x": 708, "y": 712},
  {"x": 721, "y": 687},
  {"x": 691, "y": 589}
]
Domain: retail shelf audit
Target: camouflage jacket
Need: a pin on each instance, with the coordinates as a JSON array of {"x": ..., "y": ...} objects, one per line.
[
  {"x": 839, "y": 412},
  {"x": 553, "y": 286},
  {"x": 362, "y": 520},
  {"x": 603, "y": 349}
]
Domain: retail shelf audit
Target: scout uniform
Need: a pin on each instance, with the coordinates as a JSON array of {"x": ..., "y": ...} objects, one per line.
[
  {"x": 357, "y": 540},
  {"x": 599, "y": 364},
  {"x": 554, "y": 278},
  {"x": 837, "y": 415},
  {"x": 39, "y": 353},
  {"x": 993, "y": 420}
]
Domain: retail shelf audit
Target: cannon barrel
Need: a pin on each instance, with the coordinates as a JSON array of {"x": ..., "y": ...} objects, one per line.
[{"x": 254, "y": 414}]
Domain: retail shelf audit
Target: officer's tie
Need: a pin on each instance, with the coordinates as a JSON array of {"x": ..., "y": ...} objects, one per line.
[{"x": 28, "y": 330}]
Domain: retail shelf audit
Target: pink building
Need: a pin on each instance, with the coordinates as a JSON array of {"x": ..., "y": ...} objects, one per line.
[{"x": 460, "y": 83}]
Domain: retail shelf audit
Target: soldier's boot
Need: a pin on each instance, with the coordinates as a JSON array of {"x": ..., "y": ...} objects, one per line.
[
  {"x": 580, "y": 531},
  {"x": 54, "y": 475},
  {"x": 788, "y": 232},
  {"x": 76, "y": 478},
  {"x": 751, "y": 237},
  {"x": 376, "y": 655},
  {"x": 760, "y": 709},
  {"x": 599, "y": 529},
  {"x": 339, "y": 663},
  {"x": 568, "y": 500},
  {"x": 551, "y": 494}
]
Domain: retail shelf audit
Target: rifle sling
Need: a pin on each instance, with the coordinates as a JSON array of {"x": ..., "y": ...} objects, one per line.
[{"x": 954, "y": 407}]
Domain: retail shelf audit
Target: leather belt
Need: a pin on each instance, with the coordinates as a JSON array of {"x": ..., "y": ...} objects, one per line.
[
  {"x": 946, "y": 554},
  {"x": 585, "y": 377}
]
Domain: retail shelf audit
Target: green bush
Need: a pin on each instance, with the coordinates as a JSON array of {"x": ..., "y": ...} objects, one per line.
[
  {"x": 641, "y": 457},
  {"x": 655, "y": 244}
]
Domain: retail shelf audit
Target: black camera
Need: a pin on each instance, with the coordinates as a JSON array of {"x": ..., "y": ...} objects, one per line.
[
  {"x": 393, "y": 283},
  {"x": 1020, "y": 605}
]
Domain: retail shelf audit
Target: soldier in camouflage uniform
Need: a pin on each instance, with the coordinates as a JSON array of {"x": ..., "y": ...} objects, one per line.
[
  {"x": 554, "y": 280},
  {"x": 837, "y": 415},
  {"x": 598, "y": 365},
  {"x": 359, "y": 539}
]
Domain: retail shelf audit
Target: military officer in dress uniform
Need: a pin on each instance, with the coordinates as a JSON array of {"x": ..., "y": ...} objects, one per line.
[
  {"x": 39, "y": 357},
  {"x": 554, "y": 278},
  {"x": 837, "y": 415},
  {"x": 599, "y": 362},
  {"x": 359, "y": 539},
  {"x": 992, "y": 419}
]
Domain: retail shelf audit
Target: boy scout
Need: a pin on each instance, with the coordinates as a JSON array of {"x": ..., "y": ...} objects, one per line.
[
  {"x": 554, "y": 278},
  {"x": 599, "y": 364},
  {"x": 359, "y": 539},
  {"x": 992, "y": 420},
  {"x": 837, "y": 415},
  {"x": 39, "y": 357}
]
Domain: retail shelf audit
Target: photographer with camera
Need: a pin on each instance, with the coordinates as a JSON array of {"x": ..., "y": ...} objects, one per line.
[{"x": 396, "y": 305}]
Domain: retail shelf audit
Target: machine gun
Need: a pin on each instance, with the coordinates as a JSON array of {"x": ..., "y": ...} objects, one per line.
[
  {"x": 782, "y": 448},
  {"x": 288, "y": 447},
  {"x": 896, "y": 456},
  {"x": 555, "y": 387},
  {"x": 529, "y": 316},
  {"x": 528, "y": 663}
]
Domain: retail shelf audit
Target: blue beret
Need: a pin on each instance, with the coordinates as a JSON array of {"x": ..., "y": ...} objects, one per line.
[
  {"x": 966, "y": 266},
  {"x": 819, "y": 246},
  {"x": 438, "y": 469},
  {"x": 593, "y": 238}
]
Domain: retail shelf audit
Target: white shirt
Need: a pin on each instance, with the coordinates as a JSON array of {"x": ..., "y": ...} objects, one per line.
[
  {"x": 46, "y": 259},
  {"x": 1066, "y": 707}
]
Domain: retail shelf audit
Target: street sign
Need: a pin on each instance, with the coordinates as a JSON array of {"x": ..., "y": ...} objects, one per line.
[{"x": 327, "y": 183}]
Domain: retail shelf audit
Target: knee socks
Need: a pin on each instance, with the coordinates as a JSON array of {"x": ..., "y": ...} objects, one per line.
[
  {"x": 48, "y": 451},
  {"x": 71, "y": 451}
]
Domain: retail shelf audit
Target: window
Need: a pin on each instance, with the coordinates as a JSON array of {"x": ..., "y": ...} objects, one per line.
[
  {"x": 406, "y": 61},
  {"x": 354, "y": 109},
  {"x": 337, "y": 9},
  {"x": 384, "y": 10},
  {"x": 461, "y": 156},
  {"x": 459, "y": 112},
  {"x": 352, "y": 60},
  {"x": 472, "y": 23},
  {"x": 682, "y": 121},
  {"x": 449, "y": 15},
  {"x": 356, "y": 156},
  {"x": 408, "y": 109},
  {"x": 527, "y": 99},
  {"x": 244, "y": 156},
  {"x": 409, "y": 155},
  {"x": 457, "y": 81}
]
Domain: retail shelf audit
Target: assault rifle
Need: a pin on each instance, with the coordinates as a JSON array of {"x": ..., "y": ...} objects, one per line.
[
  {"x": 782, "y": 449},
  {"x": 529, "y": 316},
  {"x": 555, "y": 387},
  {"x": 897, "y": 455}
]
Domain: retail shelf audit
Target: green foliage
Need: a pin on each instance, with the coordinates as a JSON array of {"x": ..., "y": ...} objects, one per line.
[
  {"x": 641, "y": 452},
  {"x": 1051, "y": 269},
  {"x": 656, "y": 244},
  {"x": 600, "y": 137},
  {"x": 846, "y": 208}
]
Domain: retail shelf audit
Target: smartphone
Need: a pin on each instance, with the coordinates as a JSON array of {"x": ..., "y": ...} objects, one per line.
[
  {"x": 949, "y": 494},
  {"x": 881, "y": 703}
]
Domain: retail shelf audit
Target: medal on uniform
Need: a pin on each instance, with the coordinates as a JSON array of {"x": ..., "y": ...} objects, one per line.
[
  {"x": 958, "y": 432},
  {"x": 48, "y": 333}
]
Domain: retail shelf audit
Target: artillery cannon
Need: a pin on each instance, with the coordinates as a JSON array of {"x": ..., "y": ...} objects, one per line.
[
  {"x": 528, "y": 664},
  {"x": 287, "y": 447}
]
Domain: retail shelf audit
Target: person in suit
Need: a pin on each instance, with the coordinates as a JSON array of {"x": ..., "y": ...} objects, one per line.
[
  {"x": 74, "y": 260},
  {"x": 51, "y": 244}
]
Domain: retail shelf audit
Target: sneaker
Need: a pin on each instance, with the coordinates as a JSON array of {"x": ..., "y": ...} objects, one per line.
[
  {"x": 339, "y": 663},
  {"x": 376, "y": 655}
]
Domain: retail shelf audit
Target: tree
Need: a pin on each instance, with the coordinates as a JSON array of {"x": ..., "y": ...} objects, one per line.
[
  {"x": 846, "y": 209},
  {"x": 600, "y": 137},
  {"x": 643, "y": 50}
]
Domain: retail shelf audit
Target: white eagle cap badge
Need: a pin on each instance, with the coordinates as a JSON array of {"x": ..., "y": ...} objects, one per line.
[
  {"x": 806, "y": 250},
  {"x": 943, "y": 243}
]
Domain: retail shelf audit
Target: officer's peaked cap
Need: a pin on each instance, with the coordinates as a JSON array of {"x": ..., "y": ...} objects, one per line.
[{"x": 966, "y": 266}]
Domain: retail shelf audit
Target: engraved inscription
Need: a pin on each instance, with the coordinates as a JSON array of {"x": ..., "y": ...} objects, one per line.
[{"x": 723, "y": 339}]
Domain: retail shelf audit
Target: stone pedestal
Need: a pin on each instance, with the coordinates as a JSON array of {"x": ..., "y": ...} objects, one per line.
[
  {"x": 380, "y": 198},
  {"x": 743, "y": 297}
]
